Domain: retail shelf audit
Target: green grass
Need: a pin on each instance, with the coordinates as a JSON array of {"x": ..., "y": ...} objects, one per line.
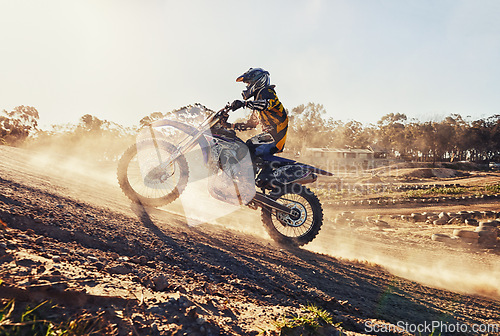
[
  {"x": 333, "y": 194},
  {"x": 494, "y": 189},
  {"x": 31, "y": 321},
  {"x": 343, "y": 194},
  {"x": 26, "y": 322},
  {"x": 436, "y": 191},
  {"x": 308, "y": 321},
  {"x": 431, "y": 334},
  {"x": 455, "y": 191}
]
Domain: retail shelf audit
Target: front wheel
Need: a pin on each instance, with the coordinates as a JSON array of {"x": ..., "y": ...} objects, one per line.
[
  {"x": 141, "y": 179},
  {"x": 300, "y": 227}
]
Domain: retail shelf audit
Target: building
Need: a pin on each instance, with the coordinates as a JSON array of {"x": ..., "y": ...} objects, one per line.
[{"x": 348, "y": 158}]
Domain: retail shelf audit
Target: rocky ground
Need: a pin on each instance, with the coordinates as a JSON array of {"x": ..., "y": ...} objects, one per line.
[{"x": 70, "y": 237}]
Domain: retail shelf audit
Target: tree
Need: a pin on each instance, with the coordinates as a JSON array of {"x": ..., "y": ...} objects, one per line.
[
  {"x": 307, "y": 127},
  {"x": 349, "y": 134},
  {"x": 16, "y": 125},
  {"x": 90, "y": 139},
  {"x": 91, "y": 123},
  {"x": 457, "y": 148},
  {"x": 492, "y": 148},
  {"x": 355, "y": 135},
  {"x": 391, "y": 133}
]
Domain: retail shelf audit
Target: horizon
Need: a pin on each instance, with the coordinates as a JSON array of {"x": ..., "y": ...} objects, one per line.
[
  {"x": 438, "y": 119},
  {"x": 361, "y": 60}
]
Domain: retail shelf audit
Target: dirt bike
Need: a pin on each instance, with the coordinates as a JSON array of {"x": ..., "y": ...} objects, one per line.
[{"x": 291, "y": 213}]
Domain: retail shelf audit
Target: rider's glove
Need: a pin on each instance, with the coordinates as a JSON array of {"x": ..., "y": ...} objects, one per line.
[
  {"x": 239, "y": 126},
  {"x": 237, "y": 104}
]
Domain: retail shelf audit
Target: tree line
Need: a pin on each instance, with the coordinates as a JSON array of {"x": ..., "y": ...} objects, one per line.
[
  {"x": 451, "y": 139},
  {"x": 90, "y": 138}
]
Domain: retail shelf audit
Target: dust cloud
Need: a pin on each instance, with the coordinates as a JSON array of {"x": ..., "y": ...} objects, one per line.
[
  {"x": 473, "y": 272},
  {"x": 69, "y": 167},
  {"x": 92, "y": 161},
  {"x": 78, "y": 157}
]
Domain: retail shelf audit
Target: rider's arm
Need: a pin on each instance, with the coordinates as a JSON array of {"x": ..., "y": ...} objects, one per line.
[
  {"x": 267, "y": 99},
  {"x": 258, "y": 105}
]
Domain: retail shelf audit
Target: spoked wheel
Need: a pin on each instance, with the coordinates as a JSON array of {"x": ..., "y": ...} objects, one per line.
[
  {"x": 144, "y": 180},
  {"x": 302, "y": 225}
]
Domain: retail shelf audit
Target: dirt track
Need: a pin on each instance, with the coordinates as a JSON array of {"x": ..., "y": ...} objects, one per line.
[{"x": 72, "y": 233}]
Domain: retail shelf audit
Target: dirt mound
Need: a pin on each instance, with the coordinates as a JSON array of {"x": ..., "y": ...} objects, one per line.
[
  {"x": 433, "y": 172},
  {"x": 446, "y": 173},
  {"x": 421, "y": 173},
  {"x": 374, "y": 179}
]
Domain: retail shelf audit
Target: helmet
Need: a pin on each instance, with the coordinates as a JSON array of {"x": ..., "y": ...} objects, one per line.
[{"x": 256, "y": 79}]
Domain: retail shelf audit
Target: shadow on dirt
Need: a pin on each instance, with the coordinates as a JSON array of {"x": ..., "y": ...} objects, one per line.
[
  {"x": 225, "y": 263},
  {"x": 276, "y": 275}
]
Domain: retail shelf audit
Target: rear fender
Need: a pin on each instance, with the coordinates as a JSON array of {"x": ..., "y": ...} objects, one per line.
[
  {"x": 284, "y": 161},
  {"x": 318, "y": 171}
]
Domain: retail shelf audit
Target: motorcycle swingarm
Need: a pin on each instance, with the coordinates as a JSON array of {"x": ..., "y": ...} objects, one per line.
[{"x": 266, "y": 201}]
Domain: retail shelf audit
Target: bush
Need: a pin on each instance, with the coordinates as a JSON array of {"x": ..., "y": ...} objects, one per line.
[{"x": 16, "y": 126}]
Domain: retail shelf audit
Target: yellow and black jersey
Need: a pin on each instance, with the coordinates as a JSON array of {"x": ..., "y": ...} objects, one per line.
[{"x": 271, "y": 114}]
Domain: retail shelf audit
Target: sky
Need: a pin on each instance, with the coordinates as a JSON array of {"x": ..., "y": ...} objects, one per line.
[{"x": 121, "y": 60}]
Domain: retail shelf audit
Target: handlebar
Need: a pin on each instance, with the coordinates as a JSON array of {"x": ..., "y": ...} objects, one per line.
[{"x": 224, "y": 115}]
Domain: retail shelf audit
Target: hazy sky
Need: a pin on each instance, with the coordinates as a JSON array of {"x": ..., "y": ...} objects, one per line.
[{"x": 123, "y": 59}]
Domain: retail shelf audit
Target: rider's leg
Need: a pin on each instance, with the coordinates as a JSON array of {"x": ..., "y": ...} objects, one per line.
[
  {"x": 265, "y": 174},
  {"x": 265, "y": 149}
]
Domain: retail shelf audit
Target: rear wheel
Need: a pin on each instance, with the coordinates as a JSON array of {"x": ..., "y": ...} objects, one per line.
[
  {"x": 302, "y": 225},
  {"x": 142, "y": 181}
]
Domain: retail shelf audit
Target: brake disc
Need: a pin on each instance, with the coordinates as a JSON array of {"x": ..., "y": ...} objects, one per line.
[{"x": 296, "y": 218}]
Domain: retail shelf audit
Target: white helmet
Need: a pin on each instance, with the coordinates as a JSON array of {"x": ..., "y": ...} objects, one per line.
[{"x": 256, "y": 79}]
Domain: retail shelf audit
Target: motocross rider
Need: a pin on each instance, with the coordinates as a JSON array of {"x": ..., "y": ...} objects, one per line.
[{"x": 267, "y": 109}]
